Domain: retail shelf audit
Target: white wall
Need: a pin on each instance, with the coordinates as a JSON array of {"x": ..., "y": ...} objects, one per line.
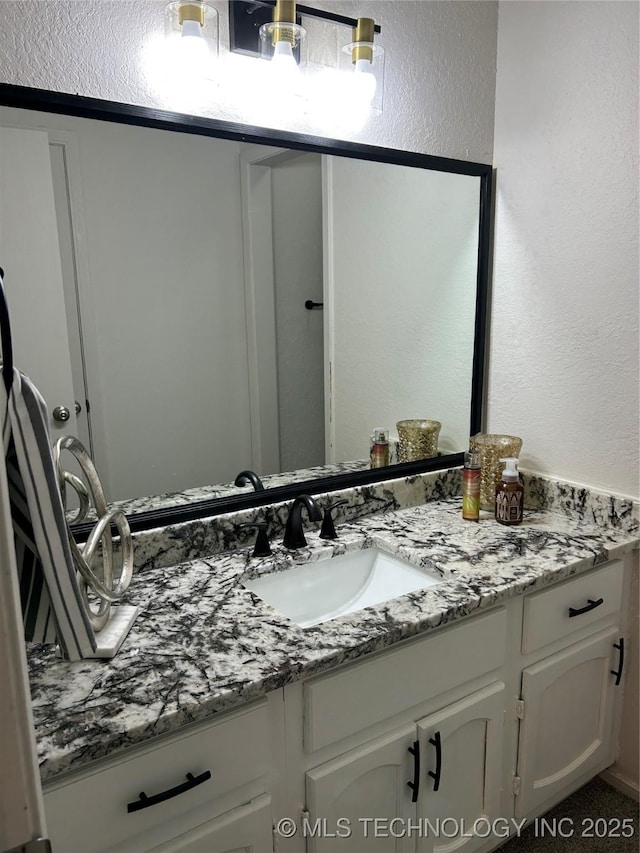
[
  {"x": 440, "y": 69},
  {"x": 564, "y": 351},
  {"x": 403, "y": 245},
  {"x": 564, "y": 344}
]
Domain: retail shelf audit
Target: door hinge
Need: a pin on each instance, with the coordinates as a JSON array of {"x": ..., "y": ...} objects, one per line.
[
  {"x": 519, "y": 709},
  {"x": 516, "y": 786}
]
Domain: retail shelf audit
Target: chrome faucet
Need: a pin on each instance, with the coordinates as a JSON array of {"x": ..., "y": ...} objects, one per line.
[{"x": 293, "y": 533}]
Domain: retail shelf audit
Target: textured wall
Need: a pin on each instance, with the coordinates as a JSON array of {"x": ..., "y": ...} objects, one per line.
[
  {"x": 440, "y": 68},
  {"x": 564, "y": 351}
]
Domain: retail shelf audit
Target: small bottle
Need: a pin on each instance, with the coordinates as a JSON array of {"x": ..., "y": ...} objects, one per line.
[
  {"x": 380, "y": 448},
  {"x": 471, "y": 486},
  {"x": 510, "y": 495}
]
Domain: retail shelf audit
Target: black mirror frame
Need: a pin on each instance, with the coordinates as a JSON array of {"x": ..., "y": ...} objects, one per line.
[{"x": 23, "y": 97}]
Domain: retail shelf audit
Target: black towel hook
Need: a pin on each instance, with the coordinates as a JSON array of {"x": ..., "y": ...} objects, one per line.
[{"x": 5, "y": 337}]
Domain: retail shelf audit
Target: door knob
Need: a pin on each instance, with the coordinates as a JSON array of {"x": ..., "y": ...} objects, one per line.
[
  {"x": 61, "y": 413},
  {"x": 78, "y": 407}
]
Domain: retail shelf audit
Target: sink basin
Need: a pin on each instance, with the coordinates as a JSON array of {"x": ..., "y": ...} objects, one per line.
[{"x": 316, "y": 592}]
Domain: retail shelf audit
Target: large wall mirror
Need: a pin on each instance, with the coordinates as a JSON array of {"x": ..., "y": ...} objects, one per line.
[{"x": 159, "y": 271}]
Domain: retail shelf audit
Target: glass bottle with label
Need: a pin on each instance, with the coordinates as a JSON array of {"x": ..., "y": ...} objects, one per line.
[
  {"x": 380, "y": 448},
  {"x": 510, "y": 495},
  {"x": 471, "y": 485}
]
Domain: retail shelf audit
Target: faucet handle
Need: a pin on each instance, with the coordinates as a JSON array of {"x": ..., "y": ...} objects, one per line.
[
  {"x": 262, "y": 548},
  {"x": 328, "y": 530}
]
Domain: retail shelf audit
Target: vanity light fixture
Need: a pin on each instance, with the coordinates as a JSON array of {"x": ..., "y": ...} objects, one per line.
[
  {"x": 192, "y": 27},
  {"x": 272, "y": 29}
]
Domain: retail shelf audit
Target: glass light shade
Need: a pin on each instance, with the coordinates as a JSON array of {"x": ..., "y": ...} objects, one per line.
[
  {"x": 362, "y": 67},
  {"x": 191, "y": 27},
  {"x": 284, "y": 43}
]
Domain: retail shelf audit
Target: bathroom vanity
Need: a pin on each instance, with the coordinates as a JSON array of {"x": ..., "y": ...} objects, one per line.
[{"x": 486, "y": 697}]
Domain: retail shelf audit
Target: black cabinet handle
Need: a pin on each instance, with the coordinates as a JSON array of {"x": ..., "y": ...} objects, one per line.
[
  {"x": 144, "y": 802},
  {"x": 437, "y": 742},
  {"x": 415, "y": 785},
  {"x": 590, "y": 606},
  {"x": 618, "y": 672}
]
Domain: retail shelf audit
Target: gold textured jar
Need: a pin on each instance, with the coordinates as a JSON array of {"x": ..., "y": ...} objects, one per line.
[
  {"x": 492, "y": 449},
  {"x": 417, "y": 439}
]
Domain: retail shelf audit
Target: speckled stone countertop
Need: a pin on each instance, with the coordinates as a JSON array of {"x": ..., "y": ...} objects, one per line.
[
  {"x": 170, "y": 500},
  {"x": 203, "y": 643}
]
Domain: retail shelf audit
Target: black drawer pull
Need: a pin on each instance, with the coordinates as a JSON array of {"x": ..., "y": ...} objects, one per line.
[
  {"x": 415, "y": 785},
  {"x": 618, "y": 672},
  {"x": 437, "y": 742},
  {"x": 590, "y": 606},
  {"x": 144, "y": 802}
]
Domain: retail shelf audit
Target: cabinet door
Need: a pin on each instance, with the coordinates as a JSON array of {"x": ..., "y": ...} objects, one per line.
[
  {"x": 345, "y": 795},
  {"x": 461, "y": 745},
  {"x": 247, "y": 829},
  {"x": 566, "y": 731}
]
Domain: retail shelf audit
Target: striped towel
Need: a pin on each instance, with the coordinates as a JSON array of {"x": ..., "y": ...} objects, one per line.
[
  {"x": 51, "y": 599},
  {"x": 39, "y": 624}
]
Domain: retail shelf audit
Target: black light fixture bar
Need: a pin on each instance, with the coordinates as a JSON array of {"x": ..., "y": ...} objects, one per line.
[
  {"x": 247, "y": 16},
  {"x": 309, "y": 12}
]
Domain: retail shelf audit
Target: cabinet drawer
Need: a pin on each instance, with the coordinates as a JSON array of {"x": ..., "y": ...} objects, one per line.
[
  {"x": 90, "y": 813},
  {"x": 367, "y": 693},
  {"x": 590, "y": 598}
]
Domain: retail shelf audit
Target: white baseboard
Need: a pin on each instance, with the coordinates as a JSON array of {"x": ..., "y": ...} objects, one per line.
[{"x": 621, "y": 783}]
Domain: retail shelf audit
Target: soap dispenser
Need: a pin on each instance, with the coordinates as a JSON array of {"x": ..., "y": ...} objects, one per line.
[{"x": 510, "y": 495}]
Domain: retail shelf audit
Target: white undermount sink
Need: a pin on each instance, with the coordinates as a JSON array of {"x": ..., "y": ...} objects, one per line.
[{"x": 318, "y": 591}]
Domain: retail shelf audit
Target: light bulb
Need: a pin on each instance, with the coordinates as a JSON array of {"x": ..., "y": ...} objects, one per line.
[
  {"x": 283, "y": 58},
  {"x": 193, "y": 49},
  {"x": 364, "y": 80}
]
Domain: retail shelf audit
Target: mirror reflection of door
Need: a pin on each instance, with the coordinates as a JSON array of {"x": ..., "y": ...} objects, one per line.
[
  {"x": 297, "y": 232},
  {"x": 156, "y": 236},
  {"x": 282, "y": 201},
  {"x": 30, "y": 248}
]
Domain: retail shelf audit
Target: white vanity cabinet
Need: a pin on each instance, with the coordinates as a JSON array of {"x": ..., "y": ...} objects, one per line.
[
  {"x": 427, "y": 718},
  {"x": 510, "y": 712},
  {"x": 197, "y": 790},
  {"x": 496, "y": 717},
  {"x": 568, "y": 697},
  {"x": 445, "y": 769}
]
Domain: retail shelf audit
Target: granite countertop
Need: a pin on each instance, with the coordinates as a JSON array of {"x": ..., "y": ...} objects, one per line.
[
  {"x": 203, "y": 643},
  {"x": 186, "y": 497}
]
